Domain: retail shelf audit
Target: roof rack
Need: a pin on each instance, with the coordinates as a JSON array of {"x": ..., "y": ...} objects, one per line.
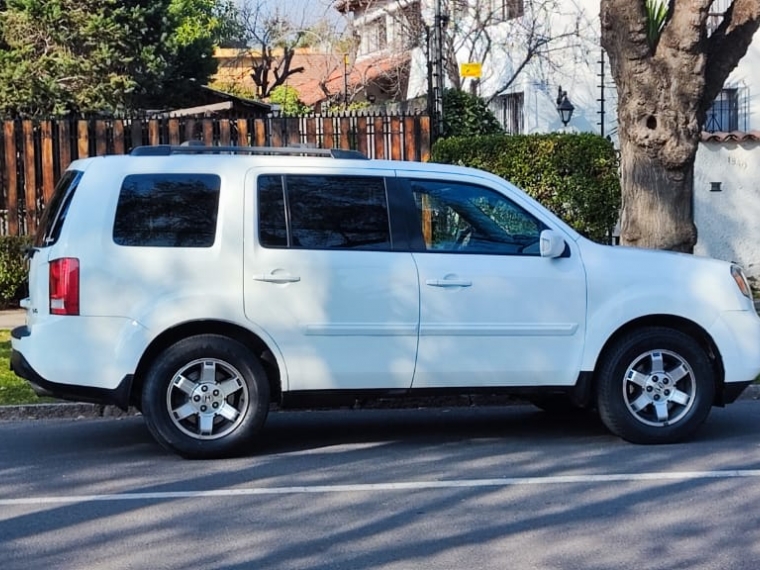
[{"x": 195, "y": 148}]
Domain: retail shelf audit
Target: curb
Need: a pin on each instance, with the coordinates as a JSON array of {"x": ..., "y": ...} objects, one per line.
[
  {"x": 66, "y": 411},
  {"x": 76, "y": 411}
]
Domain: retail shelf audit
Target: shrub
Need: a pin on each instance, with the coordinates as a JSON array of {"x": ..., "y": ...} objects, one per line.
[
  {"x": 466, "y": 115},
  {"x": 14, "y": 284},
  {"x": 352, "y": 107},
  {"x": 574, "y": 175},
  {"x": 287, "y": 98},
  {"x": 234, "y": 89}
]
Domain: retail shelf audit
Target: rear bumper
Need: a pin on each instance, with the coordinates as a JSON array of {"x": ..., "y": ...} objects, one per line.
[{"x": 118, "y": 396}]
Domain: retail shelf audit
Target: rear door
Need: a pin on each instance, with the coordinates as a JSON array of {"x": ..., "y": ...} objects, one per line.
[
  {"x": 48, "y": 232},
  {"x": 328, "y": 279}
]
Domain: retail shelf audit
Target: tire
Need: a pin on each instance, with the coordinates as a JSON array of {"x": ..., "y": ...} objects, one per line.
[
  {"x": 655, "y": 385},
  {"x": 206, "y": 396}
]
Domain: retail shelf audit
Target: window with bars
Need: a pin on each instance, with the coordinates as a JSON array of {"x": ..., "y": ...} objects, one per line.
[
  {"x": 715, "y": 15},
  {"x": 513, "y": 9},
  {"x": 723, "y": 114},
  {"x": 503, "y": 10},
  {"x": 508, "y": 110},
  {"x": 374, "y": 37},
  {"x": 410, "y": 31}
]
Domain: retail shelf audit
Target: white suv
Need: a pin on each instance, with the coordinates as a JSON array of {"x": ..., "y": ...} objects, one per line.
[{"x": 201, "y": 284}]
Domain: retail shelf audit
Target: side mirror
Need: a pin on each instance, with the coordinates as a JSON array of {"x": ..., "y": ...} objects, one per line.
[{"x": 552, "y": 244}]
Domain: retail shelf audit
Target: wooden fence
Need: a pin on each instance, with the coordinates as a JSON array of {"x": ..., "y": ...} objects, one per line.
[{"x": 34, "y": 153}]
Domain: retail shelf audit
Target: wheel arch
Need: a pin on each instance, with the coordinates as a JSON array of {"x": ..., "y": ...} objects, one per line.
[
  {"x": 176, "y": 333},
  {"x": 675, "y": 322}
]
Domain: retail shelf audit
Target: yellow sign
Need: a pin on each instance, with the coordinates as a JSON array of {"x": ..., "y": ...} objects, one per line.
[{"x": 470, "y": 69}]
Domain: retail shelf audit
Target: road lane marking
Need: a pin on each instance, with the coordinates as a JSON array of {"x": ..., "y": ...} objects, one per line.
[{"x": 400, "y": 486}]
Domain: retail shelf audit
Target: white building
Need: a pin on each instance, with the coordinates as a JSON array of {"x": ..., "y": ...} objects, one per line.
[{"x": 497, "y": 33}]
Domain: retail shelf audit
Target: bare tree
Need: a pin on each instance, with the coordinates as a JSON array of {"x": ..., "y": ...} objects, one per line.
[
  {"x": 273, "y": 39},
  {"x": 274, "y": 34},
  {"x": 527, "y": 32},
  {"x": 666, "y": 84},
  {"x": 524, "y": 32}
]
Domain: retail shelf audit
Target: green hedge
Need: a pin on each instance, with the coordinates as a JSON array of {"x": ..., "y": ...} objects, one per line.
[
  {"x": 574, "y": 175},
  {"x": 465, "y": 115},
  {"x": 14, "y": 284}
]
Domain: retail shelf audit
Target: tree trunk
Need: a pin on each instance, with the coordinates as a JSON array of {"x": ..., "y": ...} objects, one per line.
[
  {"x": 665, "y": 86},
  {"x": 659, "y": 133},
  {"x": 659, "y": 95},
  {"x": 656, "y": 200}
]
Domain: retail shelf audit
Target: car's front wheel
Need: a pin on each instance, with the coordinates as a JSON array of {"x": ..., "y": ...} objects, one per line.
[
  {"x": 205, "y": 396},
  {"x": 655, "y": 385}
]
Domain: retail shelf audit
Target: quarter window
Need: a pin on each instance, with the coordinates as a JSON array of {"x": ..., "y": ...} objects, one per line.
[
  {"x": 55, "y": 213},
  {"x": 464, "y": 218},
  {"x": 323, "y": 212},
  {"x": 167, "y": 210},
  {"x": 273, "y": 230}
]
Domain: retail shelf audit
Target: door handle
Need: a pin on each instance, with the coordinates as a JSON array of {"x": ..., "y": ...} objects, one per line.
[
  {"x": 277, "y": 278},
  {"x": 448, "y": 283}
]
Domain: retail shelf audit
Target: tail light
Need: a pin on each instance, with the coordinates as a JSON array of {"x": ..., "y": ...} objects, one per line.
[{"x": 64, "y": 286}]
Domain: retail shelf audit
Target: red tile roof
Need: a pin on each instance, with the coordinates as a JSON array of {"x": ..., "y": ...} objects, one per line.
[
  {"x": 733, "y": 136},
  {"x": 321, "y": 71},
  {"x": 361, "y": 72}
]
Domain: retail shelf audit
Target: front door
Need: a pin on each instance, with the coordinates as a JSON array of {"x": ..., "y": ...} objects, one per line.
[
  {"x": 493, "y": 311},
  {"x": 325, "y": 280}
]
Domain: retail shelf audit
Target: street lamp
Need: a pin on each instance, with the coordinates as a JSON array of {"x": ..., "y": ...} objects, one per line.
[{"x": 564, "y": 107}]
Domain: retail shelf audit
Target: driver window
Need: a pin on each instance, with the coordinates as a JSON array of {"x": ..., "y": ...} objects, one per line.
[{"x": 456, "y": 217}]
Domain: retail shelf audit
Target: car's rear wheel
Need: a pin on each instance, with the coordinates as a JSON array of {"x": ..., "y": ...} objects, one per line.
[
  {"x": 206, "y": 396},
  {"x": 655, "y": 385}
]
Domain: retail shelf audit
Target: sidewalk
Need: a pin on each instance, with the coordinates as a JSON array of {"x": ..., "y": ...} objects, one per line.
[{"x": 12, "y": 318}]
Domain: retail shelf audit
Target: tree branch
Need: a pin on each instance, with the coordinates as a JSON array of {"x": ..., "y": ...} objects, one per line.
[
  {"x": 684, "y": 27},
  {"x": 727, "y": 45},
  {"x": 535, "y": 50},
  {"x": 624, "y": 31}
]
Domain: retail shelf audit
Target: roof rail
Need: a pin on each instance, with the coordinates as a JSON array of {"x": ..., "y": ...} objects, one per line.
[{"x": 195, "y": 148}]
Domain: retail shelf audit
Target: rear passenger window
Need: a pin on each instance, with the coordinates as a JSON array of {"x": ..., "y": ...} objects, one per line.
[
  {"x": 324, "y": 212},
  {"x": 167, "y": 210}
]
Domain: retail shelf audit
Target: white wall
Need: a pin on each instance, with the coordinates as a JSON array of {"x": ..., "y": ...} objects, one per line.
[
  {"x": 576, "y": 69},
  {"x": 573, "y": 65},
  {"x": 728, "y": 222}
]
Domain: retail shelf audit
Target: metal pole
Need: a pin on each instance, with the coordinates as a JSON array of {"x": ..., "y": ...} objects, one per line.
[
  {"x": 345, "y": 82},
  {"x": 438, "y": 68},
  {"x": 429, "y": 35},
  {"x": 601, "y": 98}
]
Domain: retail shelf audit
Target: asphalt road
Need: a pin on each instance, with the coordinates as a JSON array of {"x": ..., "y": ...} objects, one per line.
[{"x": 463, "y": 488}]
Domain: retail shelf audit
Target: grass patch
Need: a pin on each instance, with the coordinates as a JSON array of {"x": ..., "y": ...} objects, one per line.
[{"x": 13, "y": 390}]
